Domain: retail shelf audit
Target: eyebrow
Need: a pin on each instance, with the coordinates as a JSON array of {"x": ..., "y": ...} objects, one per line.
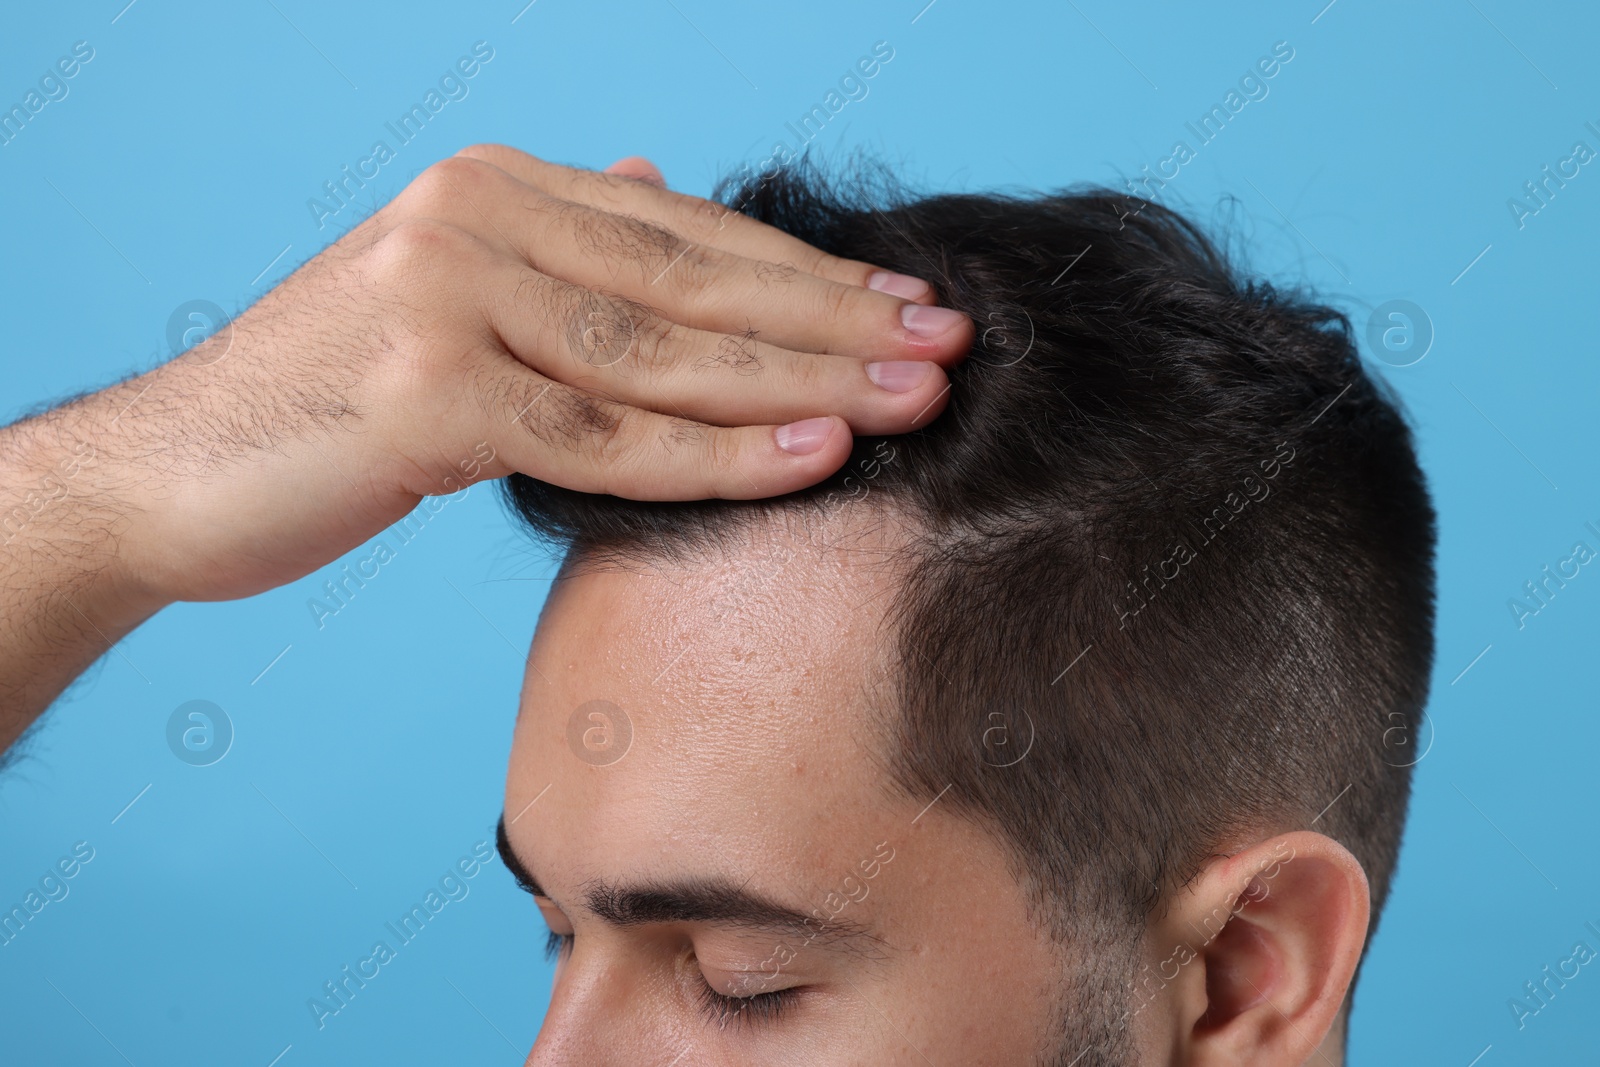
[
  {"x": 512, "y": 861},
  {"x": 696, "y": 900}
]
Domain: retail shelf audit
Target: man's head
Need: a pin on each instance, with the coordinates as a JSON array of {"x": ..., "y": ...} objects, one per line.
[{"x": 1073, "y": 725}]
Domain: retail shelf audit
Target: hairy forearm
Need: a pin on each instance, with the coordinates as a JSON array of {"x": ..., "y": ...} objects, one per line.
[{"x": 64, "y": 600}]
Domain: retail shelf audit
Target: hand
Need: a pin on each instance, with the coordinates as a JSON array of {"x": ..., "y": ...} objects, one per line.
[
  {"x": 501, "y": 314},
  {"x": 504, "y": 313}
]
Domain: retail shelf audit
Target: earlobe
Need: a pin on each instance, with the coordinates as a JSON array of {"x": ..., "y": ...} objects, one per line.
[{"x": 1276, "y": 931}]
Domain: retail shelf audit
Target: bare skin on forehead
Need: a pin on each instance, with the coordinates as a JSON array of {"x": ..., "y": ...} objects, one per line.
[{"x": 753, "y": 681}]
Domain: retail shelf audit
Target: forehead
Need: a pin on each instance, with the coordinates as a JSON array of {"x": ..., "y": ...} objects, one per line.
[
  {"x": 757, "y": 686},
  {"x": 730, "y": 705}
]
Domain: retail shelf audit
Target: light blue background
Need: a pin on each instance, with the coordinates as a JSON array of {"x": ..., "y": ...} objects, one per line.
[{"x": 372, "y": 753}]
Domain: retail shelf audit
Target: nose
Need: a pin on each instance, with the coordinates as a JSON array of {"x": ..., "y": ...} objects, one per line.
[{"x": 603, "y": 1016}]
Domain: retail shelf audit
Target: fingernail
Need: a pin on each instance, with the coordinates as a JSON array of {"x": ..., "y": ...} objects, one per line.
[
  {"x": 902, "y": 285},
  {"x": 804, "y": 437},
  {"x": 900, "y": 375},
  {"x": 929, "y": 321}
]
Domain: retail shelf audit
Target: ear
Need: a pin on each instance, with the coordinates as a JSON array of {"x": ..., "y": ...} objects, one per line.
[{"x": 1261, "y": 949}]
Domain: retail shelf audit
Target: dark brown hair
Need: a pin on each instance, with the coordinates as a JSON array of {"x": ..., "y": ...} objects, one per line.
[{"x": 1171, "y": 537}]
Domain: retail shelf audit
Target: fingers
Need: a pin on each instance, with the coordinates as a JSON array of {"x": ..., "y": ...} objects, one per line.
[
  {"x": 697, "y": 285},
  {"x": 573, "y": 439},
  {"x": 694, "y": 218},
  {"x": 708, "y": 288},
  {"x": 624, "y": 360},
  {"x": 622, "y": 350}
]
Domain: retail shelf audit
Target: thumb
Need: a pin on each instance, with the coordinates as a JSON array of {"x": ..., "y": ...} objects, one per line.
[{"x": 637, "y": 167}]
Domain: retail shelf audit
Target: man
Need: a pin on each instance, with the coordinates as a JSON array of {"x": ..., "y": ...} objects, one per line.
[
  {"x": 1055, "y": 733},
  {"x": 1068, "y": 730}
]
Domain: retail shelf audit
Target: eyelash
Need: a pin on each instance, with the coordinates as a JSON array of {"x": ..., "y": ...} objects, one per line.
[
  {"x": 762, "y": 1008},
  {"x": 719, "y": 1008},
  {"x": 556, "y": 945}
]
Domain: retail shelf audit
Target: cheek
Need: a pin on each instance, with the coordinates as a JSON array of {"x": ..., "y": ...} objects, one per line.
[
  {"x": 990, "y": 1001},
  {"x": 967, "y": 966}
]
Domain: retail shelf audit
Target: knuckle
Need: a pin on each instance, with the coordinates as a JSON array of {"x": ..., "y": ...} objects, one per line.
[
  {"x": 415, "y": 245},
  {"x": 692, "y": 270},
  {"x": 656, "y": 246},
  {"x": 551, "y": 213},
  {"x": 807, "y": 372},
  {"x": 600, "y": 182},
  {"x": 737, "y": 352},
  {"x": 497, "y": 394},
  {"x": 721, "y": 454},
  {"x": 458, "y": 169},
  {"x": 490, "y": 152},
  {"x": 610, "y": 234},
  {"x": 825, "y": 265},
  {"x": 661, "y": 256},
  {"x": 657, "y": 341},
  {"x": 506, "y": 160},
  {"x": 768, "y": 273},
  {"x": 708, "y": 218},
  {"x": 604, "y": 330},
  {"x": 444, "y": 184},
  {"x": 545, "y": 298},
  {"x": 575, "y": 420},
  {"x": 597, "y": 426},
  {"x": 564, "y": 306},
  {"x": 839, "y": 302}
]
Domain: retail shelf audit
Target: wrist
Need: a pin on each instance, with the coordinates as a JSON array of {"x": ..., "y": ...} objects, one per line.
[{"x": 60, "y": 527}]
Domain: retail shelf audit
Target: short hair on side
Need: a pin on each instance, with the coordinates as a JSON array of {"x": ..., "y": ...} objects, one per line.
[{"x": 1196, "y": 526}]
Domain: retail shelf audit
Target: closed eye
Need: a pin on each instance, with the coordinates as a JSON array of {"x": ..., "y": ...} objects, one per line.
[
  {"x": 759, "y": 1009},
  {"x": 556, "y": 945},
  {"x": 720, "y": 1009}
]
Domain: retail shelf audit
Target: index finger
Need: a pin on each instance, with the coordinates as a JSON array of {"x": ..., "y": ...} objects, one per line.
[{"x": 696, "y": 219}]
